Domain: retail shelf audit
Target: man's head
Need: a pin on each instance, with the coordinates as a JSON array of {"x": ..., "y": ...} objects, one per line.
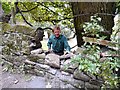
[
  {"x": 56, "y": 31},
  {"x": 39, "y": 34}
]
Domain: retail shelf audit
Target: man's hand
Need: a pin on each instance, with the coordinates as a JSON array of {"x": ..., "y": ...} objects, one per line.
[
  {"x": 67, "y": 52},
  {"x": 49, "y": 51}
]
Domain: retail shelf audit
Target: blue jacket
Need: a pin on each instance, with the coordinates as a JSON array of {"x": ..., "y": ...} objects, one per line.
[{"x": 58, "y": 44}]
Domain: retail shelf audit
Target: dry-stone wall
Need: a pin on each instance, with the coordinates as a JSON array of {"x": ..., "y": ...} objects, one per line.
[
  {"x": 57, "y": 70},
  {"x": 60, "y": 69}
]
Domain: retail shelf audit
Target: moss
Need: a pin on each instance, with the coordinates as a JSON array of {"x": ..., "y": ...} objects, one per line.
[
  {"x": 18, "y": 28},
  {"x": 5, "y": 27},
  {"x": 23, "y": 29}
]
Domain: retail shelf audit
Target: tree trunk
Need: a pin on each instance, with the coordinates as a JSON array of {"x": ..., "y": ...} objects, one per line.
[
  {"x": 82, "y": 12},
  {"x": 1, "y": 12},
  {"x": 13, "y": 15}
]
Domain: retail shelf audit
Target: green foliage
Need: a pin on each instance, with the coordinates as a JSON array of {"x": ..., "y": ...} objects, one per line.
[
  {"x": 90, "y": 61},
  {"x": 93, "y": 28},
  {"x": 93, "y": 65},
  {"x": 6, "y": 6},
  {"x": 118, "y": 6},
  {"x": 116, "y": 29},
  {"x": 44, "y": 14},
  {"x": 108, "y": 67}
]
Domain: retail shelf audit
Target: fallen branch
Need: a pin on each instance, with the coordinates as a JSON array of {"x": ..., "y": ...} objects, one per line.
[{"x": 110, "y": 44}]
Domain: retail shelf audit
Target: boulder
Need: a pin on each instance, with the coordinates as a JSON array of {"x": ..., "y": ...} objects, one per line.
[{"x": 52, "y": 60}]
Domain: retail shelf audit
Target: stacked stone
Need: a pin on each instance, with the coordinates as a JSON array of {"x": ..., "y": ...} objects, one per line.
[{"x": 61, "y": 69}]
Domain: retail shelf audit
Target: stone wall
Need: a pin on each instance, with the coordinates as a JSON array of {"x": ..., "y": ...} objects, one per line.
[
  {"x": 56, "y": 69},
  {"x": 60, "y": 69}
]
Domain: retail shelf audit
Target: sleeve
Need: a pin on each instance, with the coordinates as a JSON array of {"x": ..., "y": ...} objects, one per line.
[
  {"x": 66, "y": 45},
  {"x": 49, "y": 42}
]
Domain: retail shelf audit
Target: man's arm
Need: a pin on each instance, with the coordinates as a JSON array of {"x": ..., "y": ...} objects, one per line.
[{"x": 66, "y": 45}]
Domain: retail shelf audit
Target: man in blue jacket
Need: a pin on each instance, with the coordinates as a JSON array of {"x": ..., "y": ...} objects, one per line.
[{"x": 57, "y": 42}]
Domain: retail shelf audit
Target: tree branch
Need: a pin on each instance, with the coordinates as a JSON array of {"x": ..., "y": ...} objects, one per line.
[
  {"x": 48, "y": 9},
  {"x": 25, "y": 19},
  {"x": 73, "y": 46},
  {"x": 71, "y": 37},
  {"x": 30, "y": 9},
  {"x": 47, "y": 28},
  {"x": 19, "y": 11}
]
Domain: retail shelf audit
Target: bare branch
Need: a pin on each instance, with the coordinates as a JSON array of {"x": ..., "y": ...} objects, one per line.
[
  {"x": 47, "y": 28},
  {"x": 25, "y": 19},
  {"x": 30, "y": 9},
  {"x": 19, "y": 11},
  {"x": 71, "y": 37},
  {"x": 73, "y": 46}
]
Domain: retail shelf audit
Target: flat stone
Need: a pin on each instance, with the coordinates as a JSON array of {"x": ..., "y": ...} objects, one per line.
[
  {"x": 29, "y": 62},
  {"x": 63, "y": 77},
  {"x": 70, "y": 80},
  {"x": 36, "y": 82},
  {"x": 41, "y": 61},
  {"x": 37, "y": 51},
  {"x": 39, "y": 72},
  {"x": 66, "y": 69},
  {"x": 91, "y": 76},
  {"x": 80, "y": 76},
  {"x": 41, "y": 56},
  {"x": 77, "y": 83},
  {"x": 67, "y": 56},
  {"x": 67, "y": 66},
  {"x": 96, "y": 82},
  {"x": 65, "y": 73},
  {"x": 42, "y": 66},
  {"x": 52, "y": 71},
  {"x": 70, "y": 86},
  {"x": 49, "y": 76},
  {"x": 91, "y": 86}
]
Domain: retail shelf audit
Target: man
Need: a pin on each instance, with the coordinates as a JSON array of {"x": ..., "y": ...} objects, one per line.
[
  {"x": 35, "y": 43},
  {"x": 58, "y": 42}
]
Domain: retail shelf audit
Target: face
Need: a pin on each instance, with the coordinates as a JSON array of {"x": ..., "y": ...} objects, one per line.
[{"x": 57, "y": 33}]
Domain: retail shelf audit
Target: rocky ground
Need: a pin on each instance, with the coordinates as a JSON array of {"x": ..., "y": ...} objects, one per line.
[
  {"x": 10, "y": 80},
  {"x": 40, "y": 71},
  {"x": 47, "y": 72}
]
